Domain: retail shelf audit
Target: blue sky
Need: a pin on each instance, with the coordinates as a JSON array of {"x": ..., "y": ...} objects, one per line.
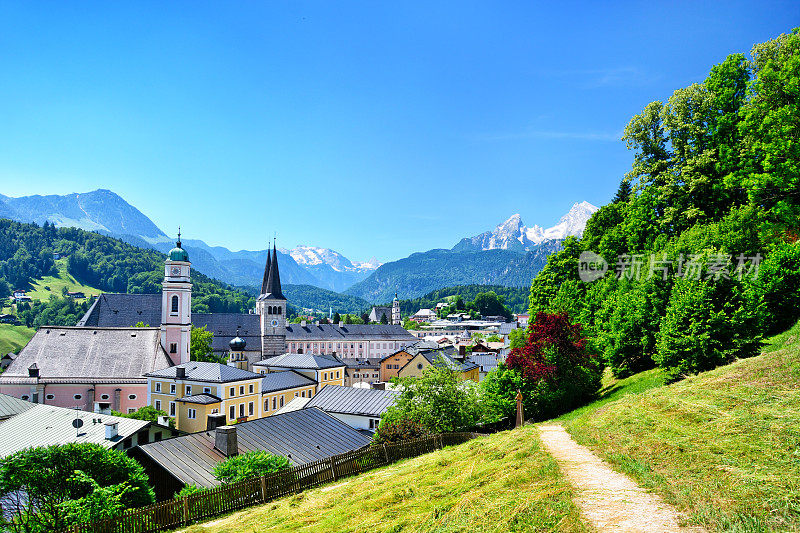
[{"x": 375, "y": 129}]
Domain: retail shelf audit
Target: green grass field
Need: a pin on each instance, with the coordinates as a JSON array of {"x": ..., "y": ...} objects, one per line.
[
  {"x": 504, "y": 482},
  {"x": 57, "y": 283},
  {"x": 14, "y": 337},
  {"x": 723, "y": 446}
]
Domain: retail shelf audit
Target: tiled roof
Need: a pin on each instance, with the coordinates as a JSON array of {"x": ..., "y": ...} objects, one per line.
[
  {"x": 296, "y": 332},
  {"x": 123, "y": 311},
  {"x": 206, "y": 372},
  {"x": 45, "y": 425},
  {"x": 115, "y": 354},
  {"x": 202, "y": 399},
  {"x": 289, "y": 379},
  {"x": 302, "y": 436},
  {"x": 301, "y": 360},
  {"x": 10, "y": 406},
  {"x": 352, "y": 401}
]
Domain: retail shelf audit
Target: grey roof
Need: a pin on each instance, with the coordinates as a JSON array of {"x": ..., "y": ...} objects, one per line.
[
  {"x": 357, "y": 362},
  {"x": 271, "y": 289},
  {"x": 264, "y": 283},
  {"x": 224, "y": 327},
  {"x": 45, "y": 425},
  {"x": 417, "y": 347},
  {"x": 433, "y": 356},
  {"x": 123, "y": 311},
  {"x": 301, "y": 360},
  {"x": 10, "y": 406},
  {"x": 377, "y": 311},
  {"x": 303, "y": 436},
  {"x": 296, "y": 332},
  {"x": 506, "y": 328},
  {"x": 202, "y": 399},
  {"x": 289, "y": 379},
  {"x": 352, "y": 401},
  {"x": 206, "y": 372},
  {"x": 112, "y": 355},
  {"x": 486, "y": 362},
  {"x": 294, "y": 405}
]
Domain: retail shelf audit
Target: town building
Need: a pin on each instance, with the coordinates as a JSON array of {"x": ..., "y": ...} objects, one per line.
[
  {"x": 391, "y": 364},
  {"x": 486, "y": 363},
  {"x": 423, "y": 359},
  {"x": 10, "y": 406},
  {"x": 322, "y": 369},
  {"x": 280, "y": 388},
  {"x": 94, "y": 369},
  {"x": 196, "y": 393},
  {"x": 358, "y": 408},
  {"x": 302, "y": 436},
  {"x": 391, "y": 314},
  {"x": 46, "y": 425},
  {"x": 361, "y": 372},
  {"x": 424, "y": 315}
]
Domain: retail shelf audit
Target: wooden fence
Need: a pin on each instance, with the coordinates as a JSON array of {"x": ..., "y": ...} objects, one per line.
[{"x": 230, "y": 497}]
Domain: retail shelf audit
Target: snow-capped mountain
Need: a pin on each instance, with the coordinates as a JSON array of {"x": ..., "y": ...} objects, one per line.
[
  {"x": 312, "y": 255},
  {"x": 514, "y": 235}
]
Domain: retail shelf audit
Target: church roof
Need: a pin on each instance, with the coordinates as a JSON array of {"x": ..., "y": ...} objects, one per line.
[
  {"x": 109, "y": 355},
  {"x": 224, "y": 327},
  {"x": 264, "y": 284},
  {"x": 271, "y": 288},
  {"x": 123, "y": 311}
]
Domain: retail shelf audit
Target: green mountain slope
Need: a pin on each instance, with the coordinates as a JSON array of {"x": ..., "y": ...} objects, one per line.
[
  {"x": 423, "y": 272},
  {"x": 515, "y": 298}
]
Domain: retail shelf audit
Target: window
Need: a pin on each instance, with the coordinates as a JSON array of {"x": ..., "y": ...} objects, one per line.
[
  {"x": 355, "y": 375},
  {"x": 296, "y": 394},
  {"x": 158, "y": 386},
  {"x": 49, "y": 396},
  {"x": 324, "y": 376},
  {"x": 131, "y": 396},
  {"x": 302, "y": 393},
  {"x": 419, "y": 366},
  {"x": 337, "y": 374},
  {"x": 126, "y": 443},
  {"x": 188, "y": 390},
  {"x": 171, "y": 408},
  {"x": 104, "y": 396},
  {"x": 25, "y": 397},
  {"x": 251, "y": 408},
  {"x": 241, "y": 389},
  {"x": 232, "y": 413},
  {"x": 172, "y": 388},
  {"x": 175, "y": 305},
  {"x": 250, "y": 389},
  {"x": 233, "y": 391},
  {"x": 192, "y": 414},
  {"x": 241, "y": 409},
  {"x": 77, "y": 397},
  {"x": 274, "y": 402},
  {"x": 207, "y": 390},
  {"x": 173, "y": 347},
  {"x": 157, "y": 436},
  {"x": 266, "y": 404},
  {"x": 158, "y": 405},
  {"x": 131, "y": 410},
  {"x": 281, "y": 401}
]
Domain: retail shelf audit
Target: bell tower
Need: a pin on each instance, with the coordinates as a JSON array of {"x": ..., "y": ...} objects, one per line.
[
  {"x": 176, "y": 305},
  {"x": 271, "y": 306},
  {"x": 395, "y": 311}
]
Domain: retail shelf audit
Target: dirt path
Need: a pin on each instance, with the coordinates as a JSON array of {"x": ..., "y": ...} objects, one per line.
[{"x": 608, "y": 500}]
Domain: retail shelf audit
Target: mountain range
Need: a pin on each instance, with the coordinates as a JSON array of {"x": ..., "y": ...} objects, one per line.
[{"x": 510, "y": 255}]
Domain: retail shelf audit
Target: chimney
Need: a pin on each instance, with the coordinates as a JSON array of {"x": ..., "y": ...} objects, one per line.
[
  {"x": 341, "y": 324},
  {"x": 33, "y": 371},
  {"x": 214, "y": 421},
  {"x": 302, "y": 323},
  {"x": 112, "y": 430},
  {"x": 180, "y": 372},
  {"x": 225, "y": 440}
]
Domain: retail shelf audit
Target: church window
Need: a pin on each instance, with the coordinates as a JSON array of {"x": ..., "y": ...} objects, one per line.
[
  {"x": 174, "y": 304},
  {"x": 49, "y": 396},
  {"x": 104, "y": 396},
  {"x": 279, "y": 309},
  {"x": 77, "y": 397},
  {"x": 173, "y": 347},
  {"x": 131, "y": 396}
]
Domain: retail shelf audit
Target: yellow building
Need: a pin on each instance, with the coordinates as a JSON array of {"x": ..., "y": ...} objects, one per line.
[
  {"x": 279, "y": 388},
  {"x": 323, "y": 369},
  {"x": 196, "y": 393},
  {"x": 423, "y": 360}
]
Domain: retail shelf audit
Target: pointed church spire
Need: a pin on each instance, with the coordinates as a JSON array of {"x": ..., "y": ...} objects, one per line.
[
  {"x": 274, "y": 277},
  {"x": 264, "y": 284}
]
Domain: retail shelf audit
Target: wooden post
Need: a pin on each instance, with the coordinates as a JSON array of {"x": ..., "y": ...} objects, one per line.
[
  {"x": 185, "y": 510},
  {"x": 385, "y": 454},
  {"x": 333, "y": 470},
  {"x": 263, "y": 488},
  {"x": 520, "y": 413}
]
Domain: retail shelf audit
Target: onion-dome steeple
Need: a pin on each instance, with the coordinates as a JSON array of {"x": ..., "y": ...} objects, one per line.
[
  {"x": 178, "y": 253},
  {"x": 237, "y": 344}
]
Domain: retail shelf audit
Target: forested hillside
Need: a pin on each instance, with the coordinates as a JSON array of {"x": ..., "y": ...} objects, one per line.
[
  {"x": 423, "y": 272},
  {"x": 701, "y": 241},
  {"x": 515, "y": 298},
  {"x": 26, "y": 254}
]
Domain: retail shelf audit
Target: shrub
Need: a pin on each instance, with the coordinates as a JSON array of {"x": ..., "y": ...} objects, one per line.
[
  {"x": 188, "y": 490},
  {"x": 397, "y": 429},
  {"x": 249, "y": 465}
]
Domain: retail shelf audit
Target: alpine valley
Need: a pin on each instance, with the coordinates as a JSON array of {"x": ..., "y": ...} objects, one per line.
[{"x": 510, "y": 255}]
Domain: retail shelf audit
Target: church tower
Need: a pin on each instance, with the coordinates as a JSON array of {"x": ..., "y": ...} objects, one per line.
[
  {"x": 271, "y": 306},
  {"x": 396, "y": 311},
  {"x": 176, "y": 305}
]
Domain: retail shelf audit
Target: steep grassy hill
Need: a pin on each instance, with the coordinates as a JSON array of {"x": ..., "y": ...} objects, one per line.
[
  {"x": 13, "y": 338},
  {"x": 505, "y": 482},
  {"x": 57, "y": 282},
  {"x": 722, "y": 446}
]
